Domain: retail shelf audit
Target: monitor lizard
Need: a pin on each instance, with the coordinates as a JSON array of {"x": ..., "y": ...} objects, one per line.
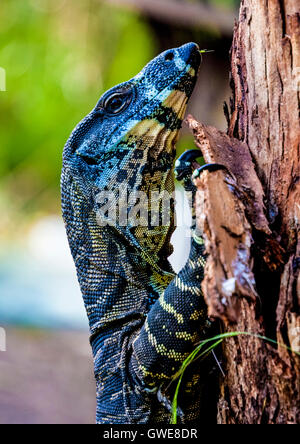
[{"x": 144, "y": 320}]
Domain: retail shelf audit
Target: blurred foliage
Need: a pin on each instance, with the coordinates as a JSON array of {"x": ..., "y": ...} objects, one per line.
[
  {"x": 230, "y": 4},
  {"x": 59, "y": 57},
  {"x": 225, "y": 3}
]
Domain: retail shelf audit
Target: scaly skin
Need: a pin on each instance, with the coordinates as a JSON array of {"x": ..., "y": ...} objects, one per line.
[{"x": 144, "y": 320}]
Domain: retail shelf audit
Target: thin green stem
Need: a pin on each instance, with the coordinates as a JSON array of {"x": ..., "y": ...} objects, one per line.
[{"x": 195, "y": 354}]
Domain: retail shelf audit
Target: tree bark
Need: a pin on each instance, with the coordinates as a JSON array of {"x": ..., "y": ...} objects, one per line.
[{"x": 250, "y": 217}]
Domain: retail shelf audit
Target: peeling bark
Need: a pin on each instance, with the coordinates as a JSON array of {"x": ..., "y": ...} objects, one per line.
[{"x": 250, "y": 217}]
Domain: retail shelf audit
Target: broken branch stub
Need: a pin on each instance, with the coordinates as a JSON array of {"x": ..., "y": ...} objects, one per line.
[
  {"x": 228, "y": 206},
  {"x": 218, "y": 147},
  {"x": 221, "y": 217}
]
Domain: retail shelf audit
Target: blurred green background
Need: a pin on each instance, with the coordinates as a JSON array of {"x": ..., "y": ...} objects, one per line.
[{"x": 58, "y": 57}]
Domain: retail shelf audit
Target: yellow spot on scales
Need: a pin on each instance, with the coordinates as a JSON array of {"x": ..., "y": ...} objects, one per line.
[
  {"x": 192, "y": 72},
  {"x": 160, "y": 280},
  {"x": 153, "y": 375},
  {"x": 146, "y": 127},
  {"x": 188, "y": 288},
  {"x": 170, "y": 309},
  {"x": 151, "y": 132},
  {"x": 196, "y": 315},
  {"x": 186, "y": 336},
  {"x": 202, "y": 261},
  {"x": 162, "y": 349},
  {"x": 177, "y": 100}
]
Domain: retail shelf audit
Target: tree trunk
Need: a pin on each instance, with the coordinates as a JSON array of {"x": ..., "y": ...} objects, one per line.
[{"x": 250, "y": 217}]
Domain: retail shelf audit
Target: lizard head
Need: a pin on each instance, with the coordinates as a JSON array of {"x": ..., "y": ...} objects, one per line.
[
  {"x": 129, "y": 137},
  {"x": 136, "y": 120}
]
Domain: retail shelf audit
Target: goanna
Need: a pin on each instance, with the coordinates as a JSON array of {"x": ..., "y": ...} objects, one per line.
[{"x": 144, "y": 319}]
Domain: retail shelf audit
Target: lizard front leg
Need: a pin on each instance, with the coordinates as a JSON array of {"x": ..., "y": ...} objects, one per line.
[{"x": 175, "y": 323}]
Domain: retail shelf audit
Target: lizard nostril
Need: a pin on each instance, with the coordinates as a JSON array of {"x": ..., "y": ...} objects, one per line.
[{"x": 169, "y": 56}]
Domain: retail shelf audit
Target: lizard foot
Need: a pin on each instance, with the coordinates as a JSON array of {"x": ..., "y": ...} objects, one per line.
[
  {"x": 186, "y": 166},
  {"x": 208, "y": 167}
]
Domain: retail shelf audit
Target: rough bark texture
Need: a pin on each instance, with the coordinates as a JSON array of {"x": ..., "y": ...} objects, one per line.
[{"x": 250, "y": 217}]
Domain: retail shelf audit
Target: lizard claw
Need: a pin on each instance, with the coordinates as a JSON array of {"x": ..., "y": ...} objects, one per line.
[
  {"x": 209, "y": 167},
  {"x": 184, "y": 164}
]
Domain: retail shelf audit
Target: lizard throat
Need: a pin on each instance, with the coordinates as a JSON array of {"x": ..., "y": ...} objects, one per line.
[{"x": 158, "y": 138}]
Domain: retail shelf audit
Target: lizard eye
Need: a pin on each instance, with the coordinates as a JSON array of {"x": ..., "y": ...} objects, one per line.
[{"x": 117, "y": 101}]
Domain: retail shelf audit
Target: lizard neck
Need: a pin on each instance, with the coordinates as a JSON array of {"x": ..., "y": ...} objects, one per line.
[{"x": 107, "y": 249}]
